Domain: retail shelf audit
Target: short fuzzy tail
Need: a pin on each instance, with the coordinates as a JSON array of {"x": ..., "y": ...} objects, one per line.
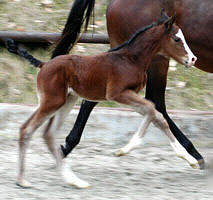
[
  {"x": 18, "y": 50},
  {"x": 80, "y": 12}
]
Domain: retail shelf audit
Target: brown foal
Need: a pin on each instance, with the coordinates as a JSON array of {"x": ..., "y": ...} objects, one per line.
[{"x": 114, "y": 76}]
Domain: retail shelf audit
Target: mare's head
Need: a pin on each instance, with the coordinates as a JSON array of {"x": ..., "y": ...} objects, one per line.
[{"x": 173, "y": 43}]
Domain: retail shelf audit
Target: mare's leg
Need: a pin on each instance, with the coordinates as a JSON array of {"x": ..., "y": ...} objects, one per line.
[
  {"x": 145, "y": 107},
  {"x": 155, "y": 92},
  {"x": 26, "y": 132},
  {"x": 75, "y": 134},
  {"x": 51, "y": 129}
]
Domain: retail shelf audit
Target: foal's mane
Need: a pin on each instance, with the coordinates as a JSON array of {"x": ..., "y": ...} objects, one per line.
[{"x": 133, "y": 37}]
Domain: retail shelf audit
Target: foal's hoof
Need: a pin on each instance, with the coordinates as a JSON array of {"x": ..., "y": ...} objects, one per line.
[
  {"x": 23, "y": 184},
  {"x": 199, "y": 165},
  {"x": 119, "y": 153},
  {"x": 80, "y": 184},
  {"x": 71, "y": 179},
  {"x": 194, "y": 165}
]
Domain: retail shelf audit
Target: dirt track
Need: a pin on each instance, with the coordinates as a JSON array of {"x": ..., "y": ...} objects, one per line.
[
  {"x": 149, "y": 173},
  {"x": 152, "y": 172}
]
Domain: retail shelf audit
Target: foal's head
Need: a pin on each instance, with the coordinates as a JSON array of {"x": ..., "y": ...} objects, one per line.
[{"x": 174, "y": 44}]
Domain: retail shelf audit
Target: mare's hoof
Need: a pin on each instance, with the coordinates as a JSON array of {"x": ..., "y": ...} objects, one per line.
[
  {"x": 202, "y": 164},
  {"x": 119, "y": 153},
  {"x": 23, "y": 184}
]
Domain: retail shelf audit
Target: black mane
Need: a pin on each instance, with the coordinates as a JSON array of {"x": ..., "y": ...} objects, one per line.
[{"x": 133, "y": 37}]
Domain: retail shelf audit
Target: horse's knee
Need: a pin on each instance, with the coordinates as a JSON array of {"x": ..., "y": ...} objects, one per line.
[
  {"x": 46, "y": 135},
  {"x": 150, "y": 109},
  {"x": 24, "y": 130},
  {"x": 160, "y": 121},
  {"x": 147, "y": 109},
  {"x": 24, "y": 135}
]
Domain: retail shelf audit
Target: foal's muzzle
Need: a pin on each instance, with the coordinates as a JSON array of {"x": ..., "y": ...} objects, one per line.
[{"x": 191, "y": 61}]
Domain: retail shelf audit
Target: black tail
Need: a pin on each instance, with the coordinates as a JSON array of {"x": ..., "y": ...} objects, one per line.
[
  {"x": 16, "y": 49},
  {"x": 81, "y": 11}
]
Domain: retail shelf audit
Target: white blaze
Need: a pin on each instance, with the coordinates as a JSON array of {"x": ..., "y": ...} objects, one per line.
[
  {"x": 182, "y": 153},
  {"x": 191, "y": 57}
]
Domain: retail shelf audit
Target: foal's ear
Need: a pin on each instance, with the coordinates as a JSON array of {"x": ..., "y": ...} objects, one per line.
[
  {"x": 168, "y": 24},
  {"x": 163, "y": 17},
  {"x": 163, "y": 14}
]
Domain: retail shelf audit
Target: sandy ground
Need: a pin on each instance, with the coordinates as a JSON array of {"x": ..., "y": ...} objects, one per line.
[{"x": 151, "y": 172}]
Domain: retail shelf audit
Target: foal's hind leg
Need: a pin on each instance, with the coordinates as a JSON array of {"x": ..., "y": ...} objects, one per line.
[
  {"x": 53, "y": 126},
  {"x": 145, "y": 107},
  {"x": 26, "y": 132}
]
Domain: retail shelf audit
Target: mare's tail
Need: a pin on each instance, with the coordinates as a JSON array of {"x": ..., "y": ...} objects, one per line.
[
  {"x": 81, "y": 11},
  {"x": 19, "y": 50}
]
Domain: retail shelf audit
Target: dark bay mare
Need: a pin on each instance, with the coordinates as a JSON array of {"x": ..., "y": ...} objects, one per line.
[
  {"x": 117, "y": 75},
  {"x": 124, "y": 17}
]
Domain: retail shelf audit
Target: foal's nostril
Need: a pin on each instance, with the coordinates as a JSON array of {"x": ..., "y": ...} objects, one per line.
[{"x": 194, "y": 59}]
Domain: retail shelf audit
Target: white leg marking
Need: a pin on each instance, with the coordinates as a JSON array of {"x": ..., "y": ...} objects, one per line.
[
  {"x": 66, "y": 172},
  {"x": 137, "y": 138},
  {"x": 70, "y": 178},
  {"x": 182, "y": 153},
  {"x": 23, "y": 183}
]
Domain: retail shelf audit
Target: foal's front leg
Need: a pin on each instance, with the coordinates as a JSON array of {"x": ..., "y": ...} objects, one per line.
[
  {"x": 144, "y": 107},
  {"x": 137, "y": 138}
]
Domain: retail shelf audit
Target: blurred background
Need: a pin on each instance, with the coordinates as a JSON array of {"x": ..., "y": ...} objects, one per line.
[{"x": 188, "y": 87}]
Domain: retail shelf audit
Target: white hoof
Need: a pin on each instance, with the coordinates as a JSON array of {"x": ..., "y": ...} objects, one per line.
[
  {"x": 120, "y": 152},
  {"x": 23, "y": 183},
  {"x": 182, "y": 153},
  {"x": 71, "y": 179},
  {"x": 81, "y": 184},
  {"x": 193, "y": 163}
]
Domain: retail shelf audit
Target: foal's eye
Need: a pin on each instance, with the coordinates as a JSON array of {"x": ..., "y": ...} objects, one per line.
[{"x": 177, "y": 39}]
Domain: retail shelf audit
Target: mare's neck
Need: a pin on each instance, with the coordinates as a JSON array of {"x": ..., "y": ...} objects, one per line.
[{"x": 171, "y": 6}]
